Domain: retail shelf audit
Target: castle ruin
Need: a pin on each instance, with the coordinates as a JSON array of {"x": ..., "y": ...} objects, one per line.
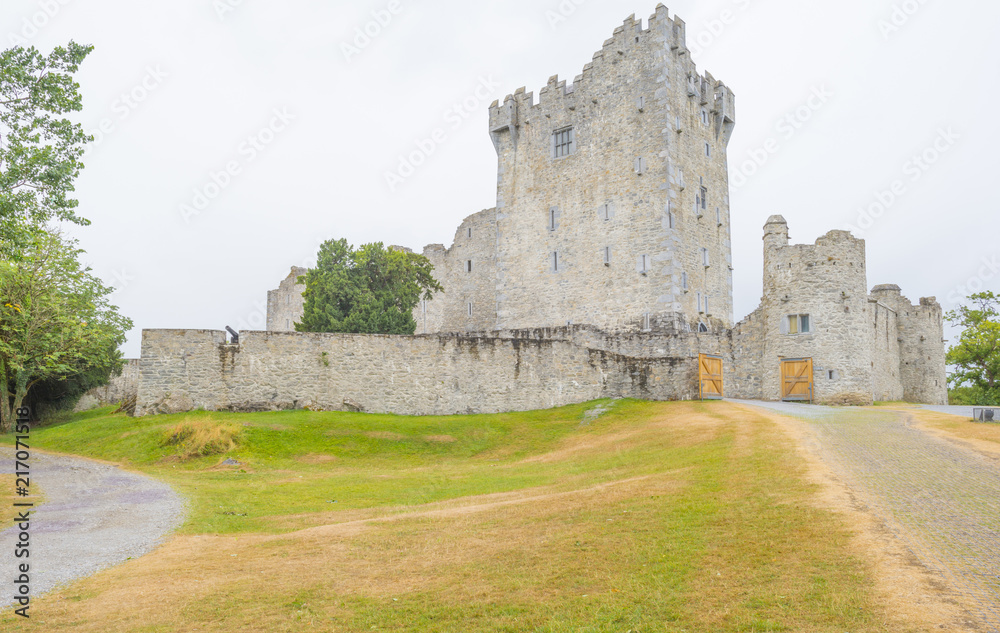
[{"x": 604, "y": 270}]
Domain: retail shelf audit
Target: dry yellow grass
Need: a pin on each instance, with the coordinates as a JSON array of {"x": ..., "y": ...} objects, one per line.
[
  {"x": 199, "y": 438},
  {"x": 697, "y": 518}
]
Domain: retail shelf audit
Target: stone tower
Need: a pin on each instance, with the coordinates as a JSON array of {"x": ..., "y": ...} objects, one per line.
[{"x": 612, "y": 200}]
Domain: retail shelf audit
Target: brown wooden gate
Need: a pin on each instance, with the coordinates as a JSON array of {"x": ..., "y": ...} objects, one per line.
[
  {"x": 710, "y": 377},
  {"x": 797, "y": 379}
]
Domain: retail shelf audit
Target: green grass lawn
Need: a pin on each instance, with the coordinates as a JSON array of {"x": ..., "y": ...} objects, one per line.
[{"x": 652, "y": 517}]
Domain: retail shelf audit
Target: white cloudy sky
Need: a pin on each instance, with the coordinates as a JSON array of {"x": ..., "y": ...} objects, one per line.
[{"x": 206, "y": 76}]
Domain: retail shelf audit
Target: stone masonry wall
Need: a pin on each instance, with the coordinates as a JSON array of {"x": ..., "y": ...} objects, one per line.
[
  {"x": 467, "y": 272},
  {"x": 116, "y": 391},
  {"x": 888, "y": 386},
  {"x": 285, "y": 306},
  {"x": 182, "y": 370},
  {"x": 920, "y": 336}
]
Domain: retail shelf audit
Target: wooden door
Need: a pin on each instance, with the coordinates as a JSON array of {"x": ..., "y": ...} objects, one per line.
[
  {"x": 797, "y": 379},
  {"x": 710, "y": 377}
]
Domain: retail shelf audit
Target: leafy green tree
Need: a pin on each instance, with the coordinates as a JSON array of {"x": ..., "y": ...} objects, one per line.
[
  {"x": 55, "y": 321},
  {"x": 40, "y": 150},
  {"x": 371, "y": 290},
  {"x": 976, "y": 356}
]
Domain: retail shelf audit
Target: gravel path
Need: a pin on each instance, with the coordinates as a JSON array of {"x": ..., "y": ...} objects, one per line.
[
  {"x": 94, "y": 516},
  {"x": 940, "y": 499}
]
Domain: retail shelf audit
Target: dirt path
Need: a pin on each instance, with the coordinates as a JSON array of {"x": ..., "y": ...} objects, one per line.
[
  {"x": 94, "y": 516},
  {"x": 939, "y": 499}
]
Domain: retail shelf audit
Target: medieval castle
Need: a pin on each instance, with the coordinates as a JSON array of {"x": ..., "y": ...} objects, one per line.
[{"x": 605, "y": 270}]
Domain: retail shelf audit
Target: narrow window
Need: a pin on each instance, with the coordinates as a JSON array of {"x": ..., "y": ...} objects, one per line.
[
  {"x": 718, "y": 216},
  {"x": 468, "y": 266},
  {"x": 564, "y": 142},
  {"x": 607, "y": 255},
  {"x": 288, "y": 324},
  {"x": 470, "y": 232},
  {"x": 470, "y": 309},
  {"x": 707, "y": 310},
  {"x": 644, "y": 264},
  {"x": 699, "y": 303},
  {"x": 702, "y": 328},
  {"x": 555, "y": 262},
  {"x": 641, "y": 103},
  {"x": 708, "y": 150},
  {"x": 704, "y": 198},
  {"x": 677, "y": 125},
  {"x": 640, "y": 166},
  {"x": 804, "y": 325},
  {"x": 670, "y": 219},
  {"x": 704, "y": 116},
  {"x": 646, "y": 323},
  {"x": 553, "y": 218},
  {"x": 684, "y": 281},
  {"x": 705, "y": 258},
  {"x": 605, "y": 211},
  {"x": 423, "y": 307}
]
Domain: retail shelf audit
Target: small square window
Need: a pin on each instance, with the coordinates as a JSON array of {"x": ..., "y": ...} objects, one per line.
[
  {"x": 799, "y": 324},
  {"x": 563, "y": 142}
]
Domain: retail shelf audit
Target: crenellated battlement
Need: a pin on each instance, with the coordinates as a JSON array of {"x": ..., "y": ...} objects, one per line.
[{"x": 663, "y": 33}]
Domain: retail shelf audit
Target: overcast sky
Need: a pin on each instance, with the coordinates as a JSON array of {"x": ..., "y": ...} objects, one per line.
[{"x": 235, "y": 135}]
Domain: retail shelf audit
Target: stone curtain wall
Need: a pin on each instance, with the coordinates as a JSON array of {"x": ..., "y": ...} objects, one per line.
[
  {"x": 183, "y": 370},
  {"x": 118, "y": 390}
]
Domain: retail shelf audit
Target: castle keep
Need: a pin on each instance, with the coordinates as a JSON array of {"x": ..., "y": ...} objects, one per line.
[{"x": 604, "y": 270}]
